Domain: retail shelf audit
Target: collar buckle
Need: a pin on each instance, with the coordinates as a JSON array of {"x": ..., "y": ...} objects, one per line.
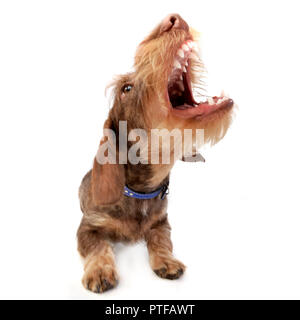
[{"x": 164, "y": 192}]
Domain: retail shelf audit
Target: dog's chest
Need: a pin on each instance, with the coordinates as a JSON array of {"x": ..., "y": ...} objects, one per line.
[{"x": 144, "y": 209}]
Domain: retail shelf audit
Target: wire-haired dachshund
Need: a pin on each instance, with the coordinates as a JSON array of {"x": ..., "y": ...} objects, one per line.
[{"x": 127, "y": 201}]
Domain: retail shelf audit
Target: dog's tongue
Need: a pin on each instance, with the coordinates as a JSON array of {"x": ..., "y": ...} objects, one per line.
[{"x": 203, "y": 108}]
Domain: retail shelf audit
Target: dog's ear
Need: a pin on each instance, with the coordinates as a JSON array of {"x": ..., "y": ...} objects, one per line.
[{"x": 108, "y": 179}]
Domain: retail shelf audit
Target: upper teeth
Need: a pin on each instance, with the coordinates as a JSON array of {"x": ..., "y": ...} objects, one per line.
[
  {"x": 180, "y": 65},
  {"x": 184, "y": 52},
  {"x": 177, "y": 64},
  {"x": 185, "y": 47},
  {"x": 190, "y": 44},
  {"x": 180, "y": 53}
]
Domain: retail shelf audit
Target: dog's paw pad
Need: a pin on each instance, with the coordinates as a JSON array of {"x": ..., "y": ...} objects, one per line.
[
  {"x": 172, "y": 270},
  {"x": 163, "y": 273},
  {"x": 99, "y": 281}
]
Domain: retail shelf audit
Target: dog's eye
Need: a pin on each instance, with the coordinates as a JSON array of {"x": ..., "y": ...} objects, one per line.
[{"x": 126, "y": 88}]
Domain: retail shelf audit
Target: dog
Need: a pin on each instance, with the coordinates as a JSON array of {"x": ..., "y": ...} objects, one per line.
[{"x": 127, "y": 202}]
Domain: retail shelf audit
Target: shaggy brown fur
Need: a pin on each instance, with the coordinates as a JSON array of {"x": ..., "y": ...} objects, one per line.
[{"x": 109, "y": 216}]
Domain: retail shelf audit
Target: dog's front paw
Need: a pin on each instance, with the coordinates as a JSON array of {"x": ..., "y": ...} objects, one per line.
[
  {"x": 100, "y": 280},
  {"x": 168, "y": 267}
]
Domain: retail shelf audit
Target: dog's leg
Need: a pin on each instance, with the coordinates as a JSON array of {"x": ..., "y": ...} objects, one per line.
[
  {"x": 160, "y": 252},
  {"x": 99, "y": 262}
]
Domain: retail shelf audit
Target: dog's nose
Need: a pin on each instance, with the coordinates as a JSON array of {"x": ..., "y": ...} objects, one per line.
[{"x": 173, "y": 21}]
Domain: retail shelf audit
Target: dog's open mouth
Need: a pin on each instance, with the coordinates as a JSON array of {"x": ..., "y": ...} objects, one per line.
[{"x": 180, "y": 93}]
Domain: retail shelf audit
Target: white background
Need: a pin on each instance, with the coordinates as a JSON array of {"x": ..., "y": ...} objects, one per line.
[{"x": 235, "y": 218}]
